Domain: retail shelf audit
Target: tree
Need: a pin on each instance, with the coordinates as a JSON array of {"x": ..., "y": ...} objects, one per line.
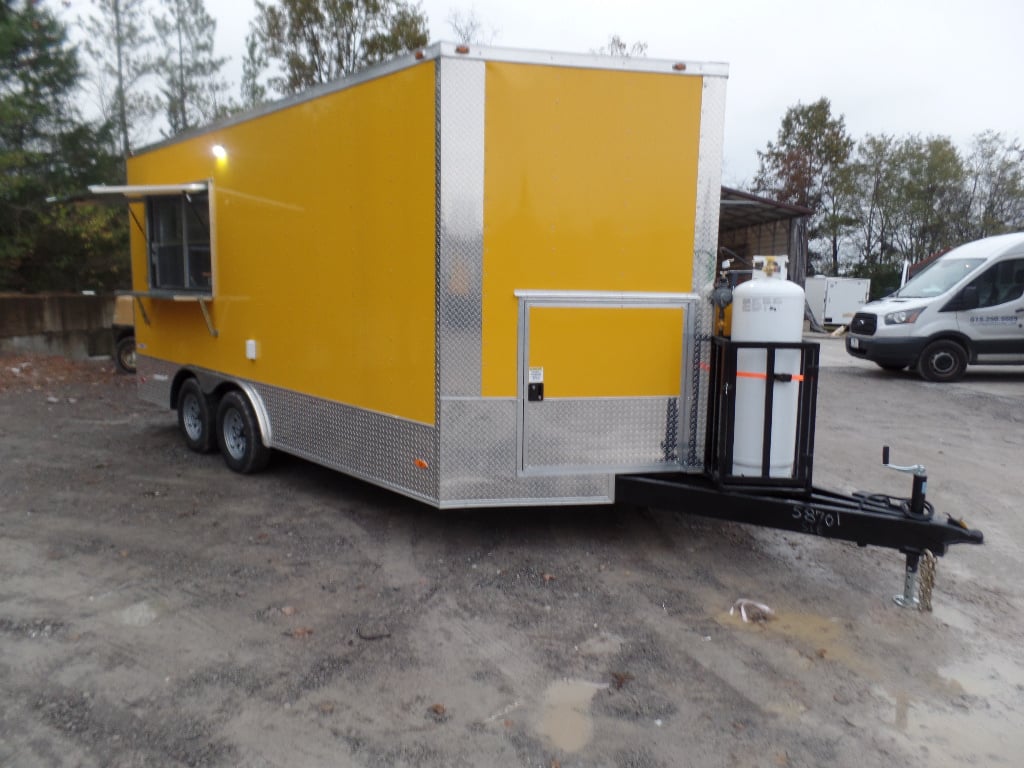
[
  {"x": 876, "y": 177},
  {"x": 45, "y": 149},
  {"x": 192, "y": 91},
  {"x": 317, "y": 41},
  {"x": 255, "y": 62},
  {"x": 468, "y": 28},
  {"x": 618, "y": 47},
  {"x": 119, "y": 46},
  {"x": 932, "y": 208},
  {"x": 809, "y": 165},
  {"x": 995, "y": 186}
]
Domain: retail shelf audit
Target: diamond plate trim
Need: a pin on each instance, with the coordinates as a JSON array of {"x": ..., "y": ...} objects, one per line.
[
  {"x": 480, "y": 457},
  {"x": 620, "y": 434},
  {"x": 460, "y": 216},
  {"x": 376, "y": 447},
  {"x": 154, "y": 379},
  {"x": 705, "y": 255}
]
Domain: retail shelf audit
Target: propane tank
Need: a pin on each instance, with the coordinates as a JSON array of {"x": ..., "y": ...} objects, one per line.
[{"x": 770, "y": 310}]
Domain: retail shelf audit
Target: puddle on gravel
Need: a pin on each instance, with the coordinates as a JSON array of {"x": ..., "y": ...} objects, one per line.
[
  {"x": 819, "y": 637},
  {"x": 565, "y": 713}
]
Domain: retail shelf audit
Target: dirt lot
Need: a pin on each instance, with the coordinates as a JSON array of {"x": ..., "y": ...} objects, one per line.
[{"x": 158, "y": 610}]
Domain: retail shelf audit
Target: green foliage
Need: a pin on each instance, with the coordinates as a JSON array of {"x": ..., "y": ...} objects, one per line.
[
  {"x": 994, "y": 186},
  {"x": 892, "y": 199},
  {"x": 808, "y": 165},
  {"x": 885, "y": 278},
  {"x": 316, "y": 41},
  {"x": 192, "y": 91},
  {"x": 45, "y": 149}
]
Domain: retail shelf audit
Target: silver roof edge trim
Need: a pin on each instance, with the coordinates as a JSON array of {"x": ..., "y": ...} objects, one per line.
[
  {"x": 439, "y": 50},
  {"x": 587, "y": 60}
]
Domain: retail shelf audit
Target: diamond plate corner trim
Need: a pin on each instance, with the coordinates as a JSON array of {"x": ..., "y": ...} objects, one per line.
[
  {"x": 154, "y": 379},
  {"x": 705, "y": 254},
  {"x": 460, "y": 214},
  {"x": 385, "y": 450}
]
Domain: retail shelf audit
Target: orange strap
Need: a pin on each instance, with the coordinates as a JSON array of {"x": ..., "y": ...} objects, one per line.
[{"x": 757, "y": 375}]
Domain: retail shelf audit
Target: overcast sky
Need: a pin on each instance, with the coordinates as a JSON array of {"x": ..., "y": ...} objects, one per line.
[{"x": 948, "y": 67}]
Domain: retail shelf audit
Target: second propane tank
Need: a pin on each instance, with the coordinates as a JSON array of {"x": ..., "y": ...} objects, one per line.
[{"x": 770, "y": 310}]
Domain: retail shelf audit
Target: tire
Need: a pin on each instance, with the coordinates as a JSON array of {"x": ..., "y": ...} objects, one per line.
[
  {"x": 196, "y": 417},
  {"x": 124, "y": 354},
  {"x": 238, "y": 434},
  {"x": 942, "y": 361},
  {"x": 891, "y": 367}
]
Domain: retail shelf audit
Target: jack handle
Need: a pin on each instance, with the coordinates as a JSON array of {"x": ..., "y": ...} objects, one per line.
[{"x": 918, "y": 507}]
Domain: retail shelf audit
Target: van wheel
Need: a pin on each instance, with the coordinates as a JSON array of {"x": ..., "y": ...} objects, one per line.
[
  {"x": 238, "y": 433},
  {"x": 942, "y": 361},
  {"x": 195, "y": 417},
  {"x": 124, "y": 354}
]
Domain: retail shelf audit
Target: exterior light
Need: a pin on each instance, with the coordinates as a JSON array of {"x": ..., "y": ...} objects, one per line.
[{"x": 219, "y": 152}]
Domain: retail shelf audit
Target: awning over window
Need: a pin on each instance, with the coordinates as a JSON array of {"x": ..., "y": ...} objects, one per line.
[{"x": 139, "y": 192}]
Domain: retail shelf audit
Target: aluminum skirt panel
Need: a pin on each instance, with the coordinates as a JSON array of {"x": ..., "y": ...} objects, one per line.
[
  {"x": 480, "y": 459},
  {"x": 385, "y": 450}
]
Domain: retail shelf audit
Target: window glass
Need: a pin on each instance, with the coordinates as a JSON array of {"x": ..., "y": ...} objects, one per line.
[
  {"x": 938, "y": 278},
  {"x": 179, "y": 242},
  {"x": 1000, "y": 283}
]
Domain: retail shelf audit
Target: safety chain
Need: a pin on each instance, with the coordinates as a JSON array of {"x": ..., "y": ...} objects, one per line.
[{"x": 927, "y": 572}]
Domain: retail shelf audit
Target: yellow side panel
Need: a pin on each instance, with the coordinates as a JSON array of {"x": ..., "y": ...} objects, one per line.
[
  {"x": 323, "y": 224},
  {"x": 601, "y": 352},
  {"x": 590, "y": 184}
]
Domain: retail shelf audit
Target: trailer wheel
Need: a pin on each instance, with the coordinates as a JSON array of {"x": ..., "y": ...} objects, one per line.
[
  {"x": 195, "y": 417},
  {"x": 124, "y": 354},
  {"x": 238, "y": 433},
  {"x": 942, "y": 361}
]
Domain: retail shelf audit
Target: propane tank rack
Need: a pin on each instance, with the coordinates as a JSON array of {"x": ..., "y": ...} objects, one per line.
[{"x": 722, "y": 428}]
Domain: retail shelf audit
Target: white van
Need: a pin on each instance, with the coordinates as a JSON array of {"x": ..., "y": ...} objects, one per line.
[{"x": 966, "y": 307}]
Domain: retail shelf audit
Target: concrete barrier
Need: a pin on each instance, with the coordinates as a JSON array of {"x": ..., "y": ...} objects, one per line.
[{"x": 69, "y": 324}]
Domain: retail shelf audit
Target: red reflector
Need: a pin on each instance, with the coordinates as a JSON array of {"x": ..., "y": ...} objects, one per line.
[
  {"x": 462, "y": 49},
  {"x": 421, "y": 464},
  {"x": 419, "y": 55},
  {"x": 680, "y": 67}
]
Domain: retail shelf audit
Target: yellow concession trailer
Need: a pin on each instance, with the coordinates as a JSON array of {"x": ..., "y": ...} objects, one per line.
[
  {"x": 484, "y": 277},
  {"x": 468, "y": 276}
]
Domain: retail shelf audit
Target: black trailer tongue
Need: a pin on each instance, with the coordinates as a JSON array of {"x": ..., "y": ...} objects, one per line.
[{"x": 792, "y": 503}]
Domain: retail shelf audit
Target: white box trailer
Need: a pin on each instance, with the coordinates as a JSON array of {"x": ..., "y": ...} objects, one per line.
[{"x": 835, "y": 300}]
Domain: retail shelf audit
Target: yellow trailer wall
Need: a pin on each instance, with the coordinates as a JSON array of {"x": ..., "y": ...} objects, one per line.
[
  {"x": 590, "y": 185},
  {"x": 323, "y": 247}
]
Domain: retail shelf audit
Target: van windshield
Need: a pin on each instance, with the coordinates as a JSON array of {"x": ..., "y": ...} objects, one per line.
[{"x": 938, "y": 278}]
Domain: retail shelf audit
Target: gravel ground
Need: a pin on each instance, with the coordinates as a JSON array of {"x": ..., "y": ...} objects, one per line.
[{"x": 159, "y": 610}]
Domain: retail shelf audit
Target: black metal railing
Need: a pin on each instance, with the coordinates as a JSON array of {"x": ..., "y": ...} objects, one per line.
[{"x": 722, "y": 426}]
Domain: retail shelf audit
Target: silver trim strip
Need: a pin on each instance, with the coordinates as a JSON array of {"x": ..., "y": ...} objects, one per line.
[
  {"x": 589, "y": 61},
  {"x": 448, "y": 50}
]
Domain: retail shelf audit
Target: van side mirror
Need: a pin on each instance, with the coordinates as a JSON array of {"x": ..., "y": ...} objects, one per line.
[{"x": 966, "y": 299}]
